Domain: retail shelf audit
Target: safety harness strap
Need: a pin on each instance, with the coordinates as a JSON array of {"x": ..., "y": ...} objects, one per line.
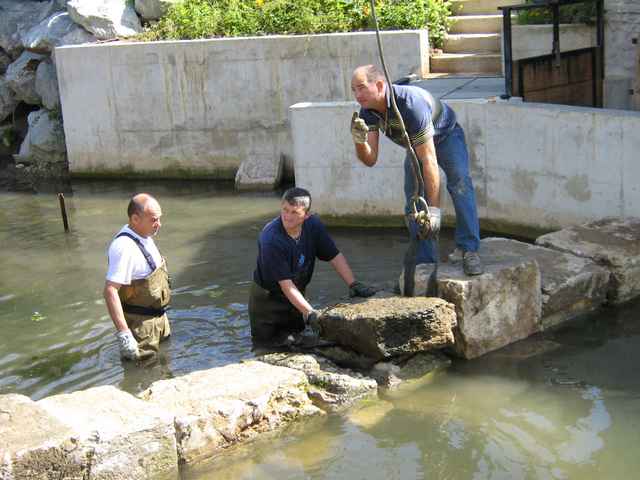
[{"x": 144, "y": 251}]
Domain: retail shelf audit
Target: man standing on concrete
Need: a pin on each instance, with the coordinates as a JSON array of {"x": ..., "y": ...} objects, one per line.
[
  {"x": 137, "y": 288},
  {"x": 287, "y": 250},
  {"x": 437, "y": 139}
]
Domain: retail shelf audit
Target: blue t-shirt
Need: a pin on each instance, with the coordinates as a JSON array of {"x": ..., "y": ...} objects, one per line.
[
  {"x": 280, "y": 257},
  {"x": 424, "y": 116}
]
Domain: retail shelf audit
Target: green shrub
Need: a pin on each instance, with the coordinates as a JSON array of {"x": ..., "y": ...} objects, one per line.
[
  {"x": 578, "y": 13},
  {"x": 193, "y": 19}
]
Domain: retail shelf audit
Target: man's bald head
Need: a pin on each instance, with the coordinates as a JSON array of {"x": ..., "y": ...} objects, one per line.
[
  {"x": 144, "y": 214},
  {"x": 140, "y": 202},
  {"x": 369, "y": 72}
]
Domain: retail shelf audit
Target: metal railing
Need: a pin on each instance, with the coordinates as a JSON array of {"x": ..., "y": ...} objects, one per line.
[{"x": 554, "y": 6}]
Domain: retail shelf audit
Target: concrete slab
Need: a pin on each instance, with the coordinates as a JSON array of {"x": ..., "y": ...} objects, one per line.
[{"x": 463, "y": 87}]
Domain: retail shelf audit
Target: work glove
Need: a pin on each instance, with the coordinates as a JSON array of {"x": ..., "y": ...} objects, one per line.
[
  {"x": 128, "y": 345},
  {"x": 434, "y": 220},
  {"x": 359, "y": 129},
  {"x": 311, "y": 333},
  {"x": 359, "y": 289}
]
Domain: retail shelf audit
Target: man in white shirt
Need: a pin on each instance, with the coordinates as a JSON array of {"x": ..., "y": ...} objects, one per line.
[{"x": 136, "y": 289}]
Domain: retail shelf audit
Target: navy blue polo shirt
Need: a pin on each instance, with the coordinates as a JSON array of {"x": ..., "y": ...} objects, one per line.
[
  {"x": 424, "y": 116},
  {"x": 280, "y": 257}
]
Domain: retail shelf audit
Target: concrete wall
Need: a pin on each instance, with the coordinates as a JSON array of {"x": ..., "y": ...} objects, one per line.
[
  {"x": 535, "y": 166},
  {"x": 534, "y": 40},
  {"x": 185, "y": 108},
  {"x": 622, "y": 26}
]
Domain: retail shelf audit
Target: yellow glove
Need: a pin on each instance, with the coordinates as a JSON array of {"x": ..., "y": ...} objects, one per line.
[{"x": 359, "y": 129}]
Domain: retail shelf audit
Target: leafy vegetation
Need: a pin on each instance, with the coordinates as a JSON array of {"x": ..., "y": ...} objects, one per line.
[
  {"x": 577, "y": 13},
  {"x": 193, "y": 19}
]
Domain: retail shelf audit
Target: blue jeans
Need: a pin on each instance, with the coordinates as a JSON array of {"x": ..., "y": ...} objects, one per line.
[{"x": 453, "y": 158}]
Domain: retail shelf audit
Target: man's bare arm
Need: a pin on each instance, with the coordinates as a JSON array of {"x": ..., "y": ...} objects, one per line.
[
  {"x": 295, "y": 296},
  {"x": 367, "y": 152},
  {"x": 426, "y": 152},
  {"x": 341, "y": 266},
  {"x": 114, "y": 306}
]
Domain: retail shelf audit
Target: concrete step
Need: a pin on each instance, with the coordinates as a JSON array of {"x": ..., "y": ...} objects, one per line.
[
  {"x": 476, "y": 24},
  {"x": 475, "y": 7},
  {"x": 473, "y": 43},
  {"x": 485, "y": 63}
]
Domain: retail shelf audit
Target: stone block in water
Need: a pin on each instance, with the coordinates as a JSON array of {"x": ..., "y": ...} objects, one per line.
[
  {"x": 570, "y": 285},
  {"x": 259, "y": 173},
  {"x": 386, "y": 327},
  {"x": 611, "y": 242},
  {"x": 123, "y": 436},
  {"x": 218, "y": 407},
  {"x": 333, "y": 388},
  {"x": 494, "y": 309}
]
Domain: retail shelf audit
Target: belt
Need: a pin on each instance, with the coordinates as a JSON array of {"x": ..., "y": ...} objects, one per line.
[{"x": 148, "y": 311}]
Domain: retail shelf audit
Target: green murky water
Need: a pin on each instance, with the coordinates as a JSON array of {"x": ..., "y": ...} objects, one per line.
[{"x": 562, "y": 405}]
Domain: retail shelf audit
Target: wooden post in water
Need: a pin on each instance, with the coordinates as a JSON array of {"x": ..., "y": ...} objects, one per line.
[{"x": 63, "y": 211}]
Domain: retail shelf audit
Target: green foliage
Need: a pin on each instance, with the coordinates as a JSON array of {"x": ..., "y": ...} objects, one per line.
[
  {"x": 192, "y": 19},
  {"x": 578, "y": 13}
]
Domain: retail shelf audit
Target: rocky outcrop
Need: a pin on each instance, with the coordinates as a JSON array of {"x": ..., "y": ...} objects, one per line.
[
  {"x": 153, "y": 9},
  {"x": 571, "y": 285},
  {"x": 218, "y": 407},
  {"x": 332, "y": 388},
  {"x": 611, "y": 242},
  {"x": 21, "y": 77},
  {"x": 18, "y": 17},
  {"x": 47, "y": 85},
  {"x": 8, "y": 100},
  {"x": 385, "y": 327},
  {"x": 500, "y": 307},
  {"x": 5, "y": 60},
  {"x": 101, "y": 433},
  {"x": 58, "y": 29},
  {"x": 45, "y": 140},
  {"x": 106, "y": 19}
]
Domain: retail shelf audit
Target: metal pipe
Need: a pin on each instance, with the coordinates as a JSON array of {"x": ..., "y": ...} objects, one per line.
[{"x": 63, "y": 211}]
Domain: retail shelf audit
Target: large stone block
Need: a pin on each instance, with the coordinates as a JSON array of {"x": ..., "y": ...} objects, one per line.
[
  {"x": 386, "y": 327},
  {"x": 36, "y": 445},
  {"x": 54, "y": 31},
  {"x": 570, "y": 285},
  {"x": 124, "y": 437},
  {"x": 259, "y": 173},
  {"x": 221, "y": 406},
  {"x": 611, "y": 242},
  {"x": 495, "y": 309},
  {"x": 21, "y": 77},
  {"x": 106, "y": 19},
  {"x": 333, "y": 388}
]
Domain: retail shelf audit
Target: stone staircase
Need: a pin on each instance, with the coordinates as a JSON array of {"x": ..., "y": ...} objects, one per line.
[{"x": 474, "y": 43}]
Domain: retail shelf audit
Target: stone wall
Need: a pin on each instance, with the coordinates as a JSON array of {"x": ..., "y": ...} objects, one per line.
[
  {"x": 534, "y": 166},
  {"x": 199, "y": 108}
]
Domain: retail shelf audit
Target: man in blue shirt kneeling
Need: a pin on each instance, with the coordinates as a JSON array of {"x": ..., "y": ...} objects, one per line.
[{"x": 287, "y": 250}]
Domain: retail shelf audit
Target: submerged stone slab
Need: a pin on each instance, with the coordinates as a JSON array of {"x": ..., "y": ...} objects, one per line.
[
  {"x": 218, "y": 407},
  {"x": 570, "y": 285},
  {"x": 494, "y": 309},
  {"x": 259, "y": 173},
  {"x": 385, "y": 327},
  {"x": 611, "y": 242},
  {"x": 392, "y": 374},
  {"x": 34, "y": 444},
  {"x": 333, "y": 388},
  {"x": 124, "y": 437}
]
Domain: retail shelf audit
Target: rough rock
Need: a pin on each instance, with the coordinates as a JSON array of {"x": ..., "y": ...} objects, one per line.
[
  {"x": 47, "y": 85},
  {"x": 570, "y": 285},
  {"x": 17, "y": 16},
  {"x": 345, "y": 357},
  {"x": 385, "y": 327},
  {"x": 36, "y": 445},
  {"x": 611, "y": 242},
  {"x": 21, "y": 77},
  {"x": 45, "y": 137},
  {"x": 392, "y": 374},
  {"x": 153, "y": 9},
  {"x": 54, "y": 31},
  {"x": 494, "y": 309},
  {"x": 259, "y": 173},
  {"x": 218, "y": 407},
  {"x": 333, "y": 388},
  {"x": 106, "y": 19},
  {"x": 5, "y": 60},
  {"x": 8, "y": 100},
  {"x": 123, "y": 436}
]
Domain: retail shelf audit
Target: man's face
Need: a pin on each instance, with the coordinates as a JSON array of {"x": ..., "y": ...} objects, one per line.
[
  {"x": 292, "y": 216},
  {"x": 366, "y": 93},
  {"x": 148, "y": 224}
]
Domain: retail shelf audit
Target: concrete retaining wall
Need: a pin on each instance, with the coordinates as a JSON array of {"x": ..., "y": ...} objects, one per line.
[
  {"x": 199, "y": 108},
  {"x": 535, "y": 166}
]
